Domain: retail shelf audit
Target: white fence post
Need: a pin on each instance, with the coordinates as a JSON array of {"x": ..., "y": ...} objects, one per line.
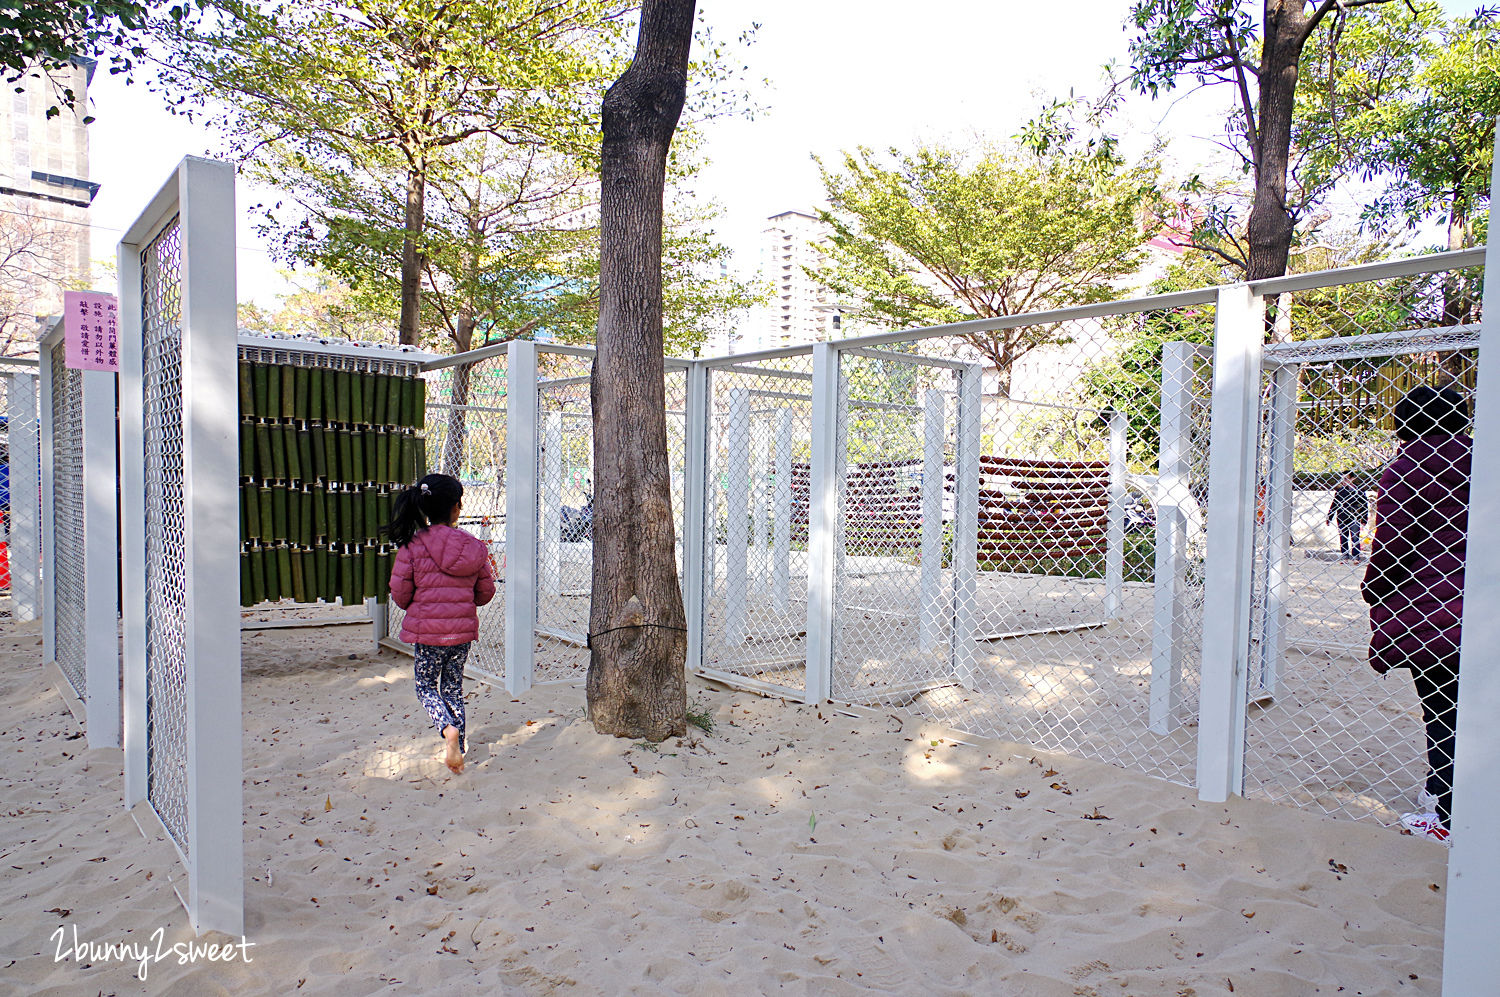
[
  {"x": 101, "y": 565},
  {"x": 132, "y": 444},
  {"x": 781, "y": 521},
  {"x": 1473, "y": 907},
  {"x": 520, "y": 515},
  {"x": 967, "y": 474},
  {"x": 25, "y": 511},
  {"x": 46, "y": 436},
  {"x": 934, "y": 434},
  {"x": 821, "y": 521},
  {"x": 1172, "y": 494},
  {"x": 1238, "y": 343},
  {"x": 1114, "y": 550},
  {"x": 695, "y": 508},
  {"x": 737, "y": 530},
  {"x": 1278, "y": 512}
]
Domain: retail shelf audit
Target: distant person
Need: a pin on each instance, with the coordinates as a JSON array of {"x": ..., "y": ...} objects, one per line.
[
  {"x": 1415, "y": 579},
  {"x": 440, "y": 576},
  {"x": 1350, "y": 507}
]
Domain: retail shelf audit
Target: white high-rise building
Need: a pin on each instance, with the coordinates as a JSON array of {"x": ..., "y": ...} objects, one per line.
[{"x": 800, "y": 310}]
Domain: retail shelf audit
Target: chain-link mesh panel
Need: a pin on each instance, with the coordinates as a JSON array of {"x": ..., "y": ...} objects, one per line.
[
  {"x": 467, "y": 438},
  {"x": 1087, "y": 464},
  {"x": 1347, "y": 512},
  {"x": 565, "y": 506},
  {"x": 67, "y": 520},
  {"x": 166, "y": 653},
  {"x": 756, "y": 527},
  {"x": 17, "y": 433}
]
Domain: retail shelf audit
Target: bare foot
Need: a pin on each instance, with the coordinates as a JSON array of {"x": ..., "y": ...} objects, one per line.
[{"x": 453, "y": 757}]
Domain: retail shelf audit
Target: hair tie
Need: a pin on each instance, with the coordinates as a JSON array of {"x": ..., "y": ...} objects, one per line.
[{"x": 425, "y": 489}]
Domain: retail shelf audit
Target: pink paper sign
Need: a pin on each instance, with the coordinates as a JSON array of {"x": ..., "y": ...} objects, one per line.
[{"x": 91, "y": 331}]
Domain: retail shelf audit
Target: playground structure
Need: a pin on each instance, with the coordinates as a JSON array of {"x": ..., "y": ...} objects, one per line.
[{"x": 858, "y": 521}]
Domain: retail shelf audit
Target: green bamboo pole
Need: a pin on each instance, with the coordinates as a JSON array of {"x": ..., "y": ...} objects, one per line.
[
  {"x": 357, "y": 507},
  {"x": 421, "y": 457},
  {"x": 319, "y": 453},
  {"x": 263, "y": 501},
  {"x": 332, "y": 470},
  {"x": 357, "y": 450},
  {"x": 387, "y": 561},
  {"x": 299, "y": 577},
  {"x": 346, "y": 456},
  {"x": 346, "y": 517},
  {"x": 305, "y": 516},
  {"x": 247, "y": 391},
  {"x": 356, "y": 397},
  {"x": 395, "y": 388},
  {"x": 246, "y": 590},
  {"x": 367, "y": 414},
  {"x": 257, "y": 575},
  {"x": 330, "y": 396},
  {"x": 284, "y": 571},
  {"x": 409, "y": 457},
  {"x": 346, "y": 576},
  {"x": 382, "y": 393},
  {"x": 278, "y": 452},
  {"x": 278, "y": 513},
  {"x": 247, "y": 448},
  {"x": 293, "y": 455},
  {"x": 303, "y": 380},
  {"x": 393, "y": 458},
  {"x": 371, "y": 562},
  {"x": 304, "y": 452},
  {"x": 273, "y": 580},
  {"x": 250, "y": 505},
  {"x": 320, "y": 510},
  {"x": 263, "y": 462},
  {"x": 288, "y": 391},
  {"x": 262, "y": 391},
  {"x": 372, "y": 469},
  {"x": 372, "y": 513},
  {"x": 315, "y": 394},
  {"x": 342, "y": 377}
]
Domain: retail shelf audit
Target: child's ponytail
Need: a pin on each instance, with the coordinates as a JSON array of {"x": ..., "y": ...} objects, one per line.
[{"x": 429, "y": 501}]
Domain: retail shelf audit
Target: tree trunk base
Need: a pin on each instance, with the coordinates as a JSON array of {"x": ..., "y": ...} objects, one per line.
[{"x": 636, "y": 684}]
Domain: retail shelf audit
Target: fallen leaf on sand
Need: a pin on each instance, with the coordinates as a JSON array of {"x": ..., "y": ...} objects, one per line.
[
  {"x": 328, "y": 804},
  {"x": 1021, "y": 794},
  {"x": 1096, "y": 815}
]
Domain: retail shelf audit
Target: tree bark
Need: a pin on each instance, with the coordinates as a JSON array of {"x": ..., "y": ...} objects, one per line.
[
  {"x": 1270, "y": 228},
  {"x": 637, "y": 685},
  {"x": 411, "y": 259}
]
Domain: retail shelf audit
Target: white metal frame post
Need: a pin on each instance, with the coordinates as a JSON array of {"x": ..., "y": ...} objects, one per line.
[
  {"x": 201, "y": 195},
  {"x": 695, "y": 508},
  {"x": 23, "y": 435},
  {"x": 1114, "y": 550},
  {"x": 1238, "y": 344},
  {"x": 1278, "y": 511},
  {"x": 520, "y": 516},
  {"x": 967, "y": 473},
  {"x": 1172, "y": 492},
  {"x": 101, "y": 579},
  {"x": 45, "y": 430},
  {"x": 822, "y": 513},
  {"x": 1473, "y": 907}
]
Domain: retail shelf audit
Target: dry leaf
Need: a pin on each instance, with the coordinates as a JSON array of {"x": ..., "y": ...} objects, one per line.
[
  {"x": 1096, "y": 815},
  {"x": 1049, "y": 773},
  {"x": 432, "y": 891},
  {"x": 1247, "y": 914},
  {"x": 1021, "y": 794},
  {"x": 328, "y": 804}
]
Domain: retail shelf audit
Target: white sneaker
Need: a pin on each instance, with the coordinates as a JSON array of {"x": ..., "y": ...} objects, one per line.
[{"x": 1426, "y": 825}]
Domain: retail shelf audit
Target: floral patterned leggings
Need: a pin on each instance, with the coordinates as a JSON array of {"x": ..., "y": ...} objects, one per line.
[{"x": 440, "y": 686}]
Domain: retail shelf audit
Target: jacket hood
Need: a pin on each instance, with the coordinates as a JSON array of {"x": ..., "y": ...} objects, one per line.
[{"x": 454, "y": 551}]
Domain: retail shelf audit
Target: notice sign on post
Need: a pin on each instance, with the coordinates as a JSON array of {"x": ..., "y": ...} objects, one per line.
[{"x": 91, "y": 331}]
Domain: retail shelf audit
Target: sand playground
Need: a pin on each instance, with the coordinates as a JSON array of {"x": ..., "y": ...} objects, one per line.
[{"x": 794, "y": 849}]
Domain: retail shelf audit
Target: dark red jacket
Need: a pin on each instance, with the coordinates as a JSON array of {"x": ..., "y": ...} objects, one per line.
[
  {"x": 439, "y": 578},
  {"x": 1415, "y": 580}
]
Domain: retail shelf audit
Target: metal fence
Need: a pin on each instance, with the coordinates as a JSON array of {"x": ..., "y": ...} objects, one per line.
[{"x": 20, "y": 492}]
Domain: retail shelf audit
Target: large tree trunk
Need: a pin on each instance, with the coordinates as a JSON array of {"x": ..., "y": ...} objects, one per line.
[
  {"x": 411, "y": 260},
  {"x": 636, "y": 681},
  {"x": 1271, "y": 225}
]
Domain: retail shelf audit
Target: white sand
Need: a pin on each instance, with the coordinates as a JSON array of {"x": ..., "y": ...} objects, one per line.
[{"x": 564, "y": 862}]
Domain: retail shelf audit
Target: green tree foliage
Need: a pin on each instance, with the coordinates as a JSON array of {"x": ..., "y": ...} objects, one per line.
[
  {"x": 438, "y": 157},
  {"x": 38, "y": 37},
  {"x": 1258, "y": 51},
  {"x": 1129, "y": 379},
  {"x": 940, "y": 235}
]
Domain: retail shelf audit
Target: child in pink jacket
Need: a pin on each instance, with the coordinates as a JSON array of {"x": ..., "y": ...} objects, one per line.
[{"x": 441, "y": 575}]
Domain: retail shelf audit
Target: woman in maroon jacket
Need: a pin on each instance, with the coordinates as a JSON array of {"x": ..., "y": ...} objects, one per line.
[
  {"x": 440, "y": 576},
  {"x": 1415, "y": 579}
]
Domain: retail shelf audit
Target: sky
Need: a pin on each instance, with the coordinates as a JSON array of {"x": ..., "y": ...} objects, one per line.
[{"x": 841, "y": 73}]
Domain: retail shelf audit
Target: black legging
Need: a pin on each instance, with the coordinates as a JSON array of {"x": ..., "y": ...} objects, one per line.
[{"x": 1437, "y": 688}]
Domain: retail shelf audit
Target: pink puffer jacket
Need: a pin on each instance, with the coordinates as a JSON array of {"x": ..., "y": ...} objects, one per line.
[{"x": 439, "y": 578}]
